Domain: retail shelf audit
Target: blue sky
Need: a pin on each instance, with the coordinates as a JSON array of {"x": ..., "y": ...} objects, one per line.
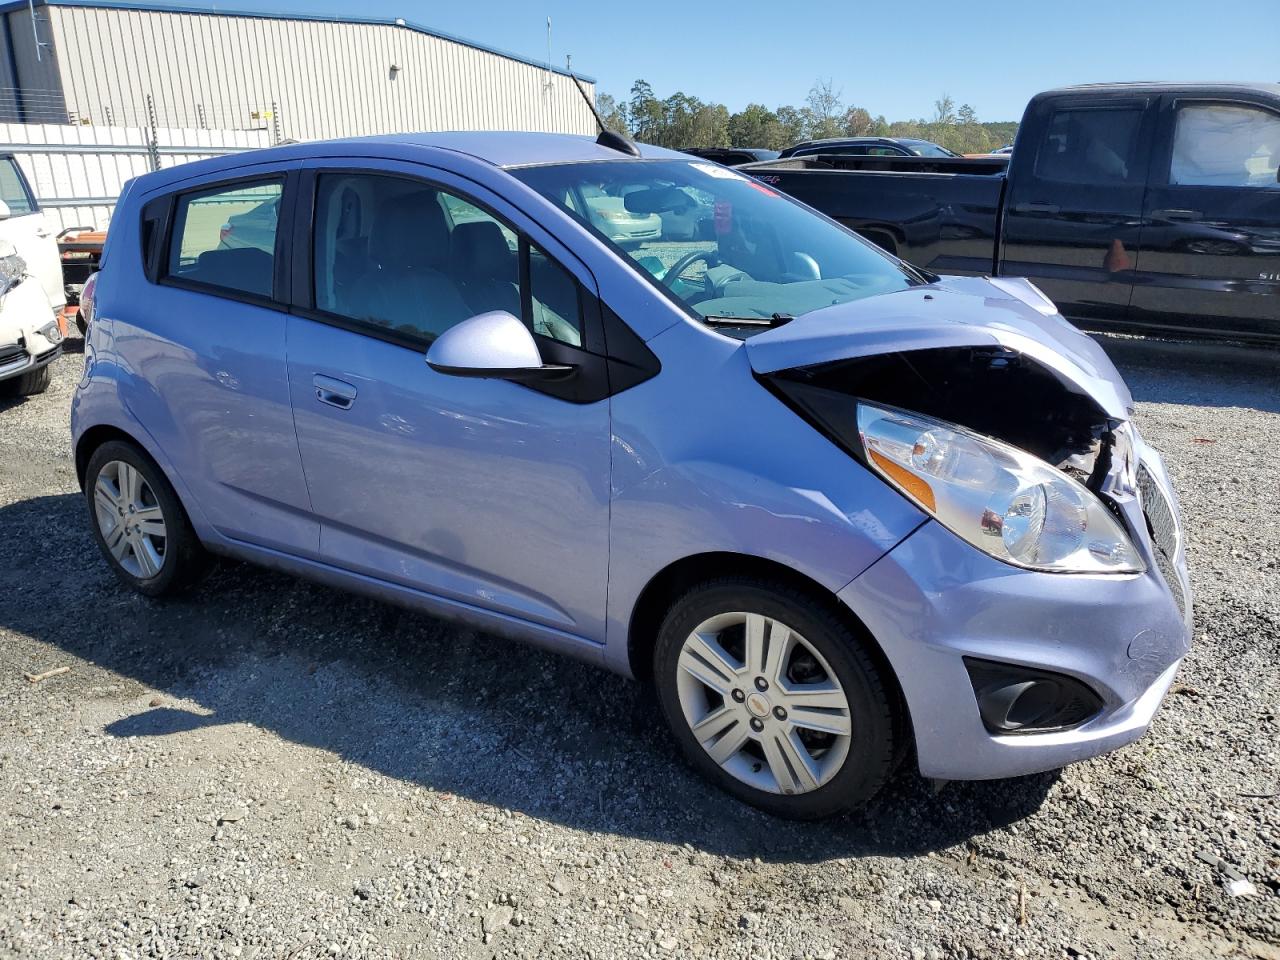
[{"x": 892, "y": 58}]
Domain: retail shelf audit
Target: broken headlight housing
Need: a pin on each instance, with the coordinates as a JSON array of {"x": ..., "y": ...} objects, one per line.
[
  {"x": 12, "y": 269},
  {"x": 1002, "y": 500}
]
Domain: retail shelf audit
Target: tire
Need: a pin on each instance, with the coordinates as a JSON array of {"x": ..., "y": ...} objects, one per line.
[
  {"x": 154, "y": 564},
  {"x": 842, "y": 770},
  {"x": 29, "y": 384}
]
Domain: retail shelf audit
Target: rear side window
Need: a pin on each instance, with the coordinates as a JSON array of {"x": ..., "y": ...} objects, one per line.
[
  {"x": 13, "y": 189},
  {"x": 1091, "y": 145},
  {"x": 226, "y": 237},
  {"x": 1225, "y": 145}
]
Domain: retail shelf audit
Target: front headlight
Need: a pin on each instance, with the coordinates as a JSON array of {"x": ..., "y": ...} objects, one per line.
[
  {"x": 12, "y": 269},
  {"x": 1001, "y": 499}
]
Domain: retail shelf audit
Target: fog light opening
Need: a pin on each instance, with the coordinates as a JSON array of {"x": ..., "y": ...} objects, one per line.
[{"x": 1014, "y": 699}]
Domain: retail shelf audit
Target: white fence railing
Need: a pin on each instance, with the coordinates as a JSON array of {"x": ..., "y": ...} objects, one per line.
[{"x": 76, "y": 172}]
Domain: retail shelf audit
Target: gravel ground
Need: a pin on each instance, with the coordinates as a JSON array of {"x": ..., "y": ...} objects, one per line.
[{"x": 271, "y": 769}]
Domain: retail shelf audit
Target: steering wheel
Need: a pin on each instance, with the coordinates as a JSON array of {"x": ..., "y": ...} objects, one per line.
[{"x": 680, "y": 266}]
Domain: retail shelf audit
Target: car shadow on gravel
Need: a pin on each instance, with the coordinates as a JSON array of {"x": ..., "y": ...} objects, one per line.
[{"x": 433, "y": 704}]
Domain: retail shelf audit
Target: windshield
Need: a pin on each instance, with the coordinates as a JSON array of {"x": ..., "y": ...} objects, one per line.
[
  {"x": 725, "y": 246},
  {"x": 924, "y": 148}
]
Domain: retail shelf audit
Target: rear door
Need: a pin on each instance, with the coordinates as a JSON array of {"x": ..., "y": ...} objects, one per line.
[
  {"x": 1073, "y": 214},
  {"x": 204, "y": 344},
  {"x": 1210, "y": 255},
  {"x": 27, "y": 230}
]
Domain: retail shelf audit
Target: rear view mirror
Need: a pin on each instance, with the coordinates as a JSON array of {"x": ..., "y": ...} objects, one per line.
[
  {"x": 5, "y": 213},
  {"x": 656, "y": 200},
  {"x": 493, "y": 345}
]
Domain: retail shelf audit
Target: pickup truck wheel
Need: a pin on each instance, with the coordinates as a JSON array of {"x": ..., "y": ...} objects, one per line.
[
  {"x": 773, "y": 698},
  {"x": 139, "y": 523},
  {"x": 30, "y": 383}
]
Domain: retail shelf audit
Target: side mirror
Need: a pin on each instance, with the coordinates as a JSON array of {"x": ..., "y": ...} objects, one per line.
[
  {"x": 493, "y": 345},
  {"x": 5, "y": 213}
]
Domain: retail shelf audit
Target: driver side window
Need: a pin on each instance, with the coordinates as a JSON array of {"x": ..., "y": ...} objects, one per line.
[{"x": 403, "y": 256}]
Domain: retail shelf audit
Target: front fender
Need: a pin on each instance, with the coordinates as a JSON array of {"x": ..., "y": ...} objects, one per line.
[{"x": 706, "y": 460}]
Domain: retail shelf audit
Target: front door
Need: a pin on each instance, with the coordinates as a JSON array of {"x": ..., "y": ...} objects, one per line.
[
  {"x": 1073, "y": 216},
  {"x": 28, "y": 231},
  {"x": 486, "y": 493},
  {"x": 1211, "y": 243}
]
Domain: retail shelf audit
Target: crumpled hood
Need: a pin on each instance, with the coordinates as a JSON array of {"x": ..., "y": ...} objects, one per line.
[{"x": 955, "y": 312}]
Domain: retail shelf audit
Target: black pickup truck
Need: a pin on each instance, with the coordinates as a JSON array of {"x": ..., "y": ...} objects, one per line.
[{"x": 1149, "y": 206}]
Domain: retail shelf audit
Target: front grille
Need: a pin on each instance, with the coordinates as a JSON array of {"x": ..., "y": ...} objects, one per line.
[
  {"x": 1163, "y": 527},
  {"x": 12, "y": 357}
]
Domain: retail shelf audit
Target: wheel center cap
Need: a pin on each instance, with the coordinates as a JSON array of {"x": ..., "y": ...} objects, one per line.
[{"x": 758, "y": 704}]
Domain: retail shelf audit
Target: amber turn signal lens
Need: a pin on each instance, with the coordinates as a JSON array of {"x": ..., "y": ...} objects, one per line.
[{"x": 907, "y": 480}]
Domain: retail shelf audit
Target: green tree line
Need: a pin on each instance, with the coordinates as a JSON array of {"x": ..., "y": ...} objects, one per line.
[{"x": 681, "y": 120}]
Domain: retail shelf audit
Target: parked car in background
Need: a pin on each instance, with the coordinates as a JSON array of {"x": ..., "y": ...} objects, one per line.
[
  {"x": 1152, "y": 207},
  {"x": 255, "y": 227},
  {"x": 1004, "y": 151},
  {"x": 868, "y": 147},
  {"x": 30, "y": 333},
  {"x": 732, "y": 156},
  {"x": 837, "y": 511},
  {"x": 31, "y": 291},
  {"x": 608, "y": 212}
]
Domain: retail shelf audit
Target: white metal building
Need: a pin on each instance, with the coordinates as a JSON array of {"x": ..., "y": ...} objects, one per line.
[{"x": 119, "y": 63}]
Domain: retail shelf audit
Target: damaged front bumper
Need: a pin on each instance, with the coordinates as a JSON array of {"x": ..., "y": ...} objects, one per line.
[
  {"x": 937, "y": 605},
  {"x": 30, "y": 336}
]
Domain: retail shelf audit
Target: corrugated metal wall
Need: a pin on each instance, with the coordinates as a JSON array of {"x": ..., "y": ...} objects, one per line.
[
  {"x": 325, "y": 79},
  {"x": 30, "y": 89},
  {"x": 76, "y": 171}
]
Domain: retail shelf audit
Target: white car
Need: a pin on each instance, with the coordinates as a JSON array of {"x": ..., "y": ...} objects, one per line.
[
  {"x": 31, "y": 289},
  {"x": 610, "y": 216}
]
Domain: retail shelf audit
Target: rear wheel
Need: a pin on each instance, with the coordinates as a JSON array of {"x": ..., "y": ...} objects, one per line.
[
  {"x": 774, "y": 698},
  {"x": 139, "y": 524}
]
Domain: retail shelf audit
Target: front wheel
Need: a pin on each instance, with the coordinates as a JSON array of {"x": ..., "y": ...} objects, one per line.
[
  {"x": 774, "y": 698},
  {"x": 29, "y": 383}
]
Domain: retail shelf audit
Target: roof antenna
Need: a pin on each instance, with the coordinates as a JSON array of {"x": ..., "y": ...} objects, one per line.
[{"x": 608, "y": 138}]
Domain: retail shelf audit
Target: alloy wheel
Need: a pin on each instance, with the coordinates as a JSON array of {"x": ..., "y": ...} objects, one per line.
[
  {"x": 130, "y": 519},
  {"x": 763, "y": 703}
]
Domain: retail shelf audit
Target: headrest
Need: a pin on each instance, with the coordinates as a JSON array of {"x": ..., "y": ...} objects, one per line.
[
  {"x": 480, "y": 250},
  {"x": 409, "y": 232}
]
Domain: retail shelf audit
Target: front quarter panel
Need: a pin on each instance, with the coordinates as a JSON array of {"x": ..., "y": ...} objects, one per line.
[{"x": 706, "y": 460}]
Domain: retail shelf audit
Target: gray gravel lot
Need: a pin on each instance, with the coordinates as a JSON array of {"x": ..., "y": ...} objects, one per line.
[{"x": 271, "y": 769}]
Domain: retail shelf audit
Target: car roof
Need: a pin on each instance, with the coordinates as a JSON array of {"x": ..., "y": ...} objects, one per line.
[
  {"x": 516, "y": 148},
  {"x": 1210, "y": 88},
  {"x": 501, "y": 148},
  {"x": 829, "y": 140}
]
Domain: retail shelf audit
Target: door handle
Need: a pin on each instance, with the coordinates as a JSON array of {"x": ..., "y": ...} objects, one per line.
[
  {"x": 336, "y": 393},
  {"x": 1177, "y": 214},
  {"x": 1035, "y": 207}
]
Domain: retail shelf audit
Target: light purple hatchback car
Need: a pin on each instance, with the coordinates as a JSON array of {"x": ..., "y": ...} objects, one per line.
[{"x": 835, "y": 510}]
